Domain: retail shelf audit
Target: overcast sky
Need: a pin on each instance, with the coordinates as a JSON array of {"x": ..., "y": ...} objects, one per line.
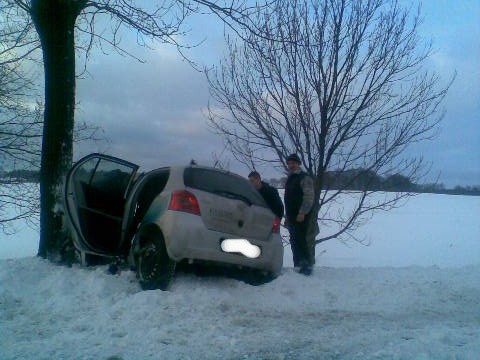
[{"x": 153, "y": 113}]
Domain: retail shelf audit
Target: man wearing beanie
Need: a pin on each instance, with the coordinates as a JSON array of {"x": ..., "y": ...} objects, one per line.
[{"x": 298, "y": 198}]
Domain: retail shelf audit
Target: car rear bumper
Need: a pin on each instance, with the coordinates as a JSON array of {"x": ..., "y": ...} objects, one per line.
[{"x": 186, "y": 240}]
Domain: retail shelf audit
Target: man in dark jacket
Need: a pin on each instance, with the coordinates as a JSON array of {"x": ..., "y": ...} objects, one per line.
[
  {"x": 299, "y": 198},
  {"x": 269, "y": 193}
]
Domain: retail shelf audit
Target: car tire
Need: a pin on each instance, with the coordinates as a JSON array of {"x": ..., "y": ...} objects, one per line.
[{"x": 155, "y": 269}]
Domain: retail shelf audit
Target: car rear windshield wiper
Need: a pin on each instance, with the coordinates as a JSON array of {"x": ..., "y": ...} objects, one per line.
[{"x": 232, "y": 195}]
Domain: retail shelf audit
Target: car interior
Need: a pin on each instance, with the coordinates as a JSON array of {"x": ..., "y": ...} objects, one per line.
[{"x": 100, "y": 198}]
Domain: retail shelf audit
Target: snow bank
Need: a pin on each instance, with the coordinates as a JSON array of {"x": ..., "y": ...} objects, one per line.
[
  {"x": 52, "y": 312},
  {"x": 412, "y": 294}
]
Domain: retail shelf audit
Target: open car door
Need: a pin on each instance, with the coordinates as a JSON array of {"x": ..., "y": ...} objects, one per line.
[{"x": 95, "y": 192}]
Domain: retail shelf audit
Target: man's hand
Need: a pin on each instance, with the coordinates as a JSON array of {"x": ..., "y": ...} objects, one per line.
[{"x": 300, "y": 217}]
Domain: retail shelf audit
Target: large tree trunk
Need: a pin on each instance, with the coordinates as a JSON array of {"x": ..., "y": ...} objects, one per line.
[{"x": 54, "y": 21}]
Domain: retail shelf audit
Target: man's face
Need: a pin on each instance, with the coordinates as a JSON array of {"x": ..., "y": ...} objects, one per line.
[
  {"x": 256, "y": 182},
  {"x": 292, "y": 166}
]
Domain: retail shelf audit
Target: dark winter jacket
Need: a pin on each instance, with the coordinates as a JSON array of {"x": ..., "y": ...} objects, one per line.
[
  {"x": 272, "y": 198},
  {"x": 298, "y": 194}
]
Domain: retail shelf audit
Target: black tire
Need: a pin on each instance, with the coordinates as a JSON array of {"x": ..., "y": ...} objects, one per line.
[{"x": 155, "y": 269}]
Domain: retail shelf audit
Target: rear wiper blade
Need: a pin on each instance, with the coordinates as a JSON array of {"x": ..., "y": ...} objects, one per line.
[{"x": 232, "y": 195}]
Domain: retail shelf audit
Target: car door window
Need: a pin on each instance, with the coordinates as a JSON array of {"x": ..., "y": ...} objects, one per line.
[{"x": 107, "y": 186}]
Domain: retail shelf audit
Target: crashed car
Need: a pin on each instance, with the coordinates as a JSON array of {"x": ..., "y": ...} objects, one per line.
[{"x": 169, "y": 215}]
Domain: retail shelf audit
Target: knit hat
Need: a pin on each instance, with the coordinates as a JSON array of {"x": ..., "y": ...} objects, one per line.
[{"x": 294, "y": 157}]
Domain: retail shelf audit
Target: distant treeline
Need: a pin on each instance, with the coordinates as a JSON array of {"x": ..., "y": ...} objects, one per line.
[
  {"x": 357, "y": 179},
  {"x": 360, "y": 179},
  {"x": 30, "y": 176}
]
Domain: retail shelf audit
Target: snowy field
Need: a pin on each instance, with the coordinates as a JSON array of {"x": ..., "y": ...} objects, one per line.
[{"x": 413, "y": 294}]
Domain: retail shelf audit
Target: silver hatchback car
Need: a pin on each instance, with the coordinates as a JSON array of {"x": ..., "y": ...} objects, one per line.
[{"x": 170, "y": 215}]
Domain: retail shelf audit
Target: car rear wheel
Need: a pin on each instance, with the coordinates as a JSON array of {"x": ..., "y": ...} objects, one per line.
[{"x": 155, "y": 269}]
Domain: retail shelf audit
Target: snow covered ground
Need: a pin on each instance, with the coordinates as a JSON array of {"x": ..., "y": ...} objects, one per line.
[{"x": 413, "y": 294}]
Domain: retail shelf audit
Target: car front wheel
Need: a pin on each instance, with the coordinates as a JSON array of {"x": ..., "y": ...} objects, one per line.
[{"x": 155, "y": 269}]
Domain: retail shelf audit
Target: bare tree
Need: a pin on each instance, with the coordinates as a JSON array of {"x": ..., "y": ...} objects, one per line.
[
  {"x": 21, "y": 122},
  {"x": 20, "y": 118},
  {"x": 344, "y": 84},
  {"x": 57, "y": 24},
  {"x": 20, "y": 131}
]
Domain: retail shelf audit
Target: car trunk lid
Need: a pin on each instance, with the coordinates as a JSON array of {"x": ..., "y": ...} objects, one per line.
[
  {"x": 229, "y": 204},
  {"x": 235, "y": 217}
]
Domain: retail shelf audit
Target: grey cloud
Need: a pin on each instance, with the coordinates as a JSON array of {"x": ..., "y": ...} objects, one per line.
[{"x": 150, "y": 111}]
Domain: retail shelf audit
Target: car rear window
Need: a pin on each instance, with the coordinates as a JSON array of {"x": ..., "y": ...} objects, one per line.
[{"x": 223, "y": 184}]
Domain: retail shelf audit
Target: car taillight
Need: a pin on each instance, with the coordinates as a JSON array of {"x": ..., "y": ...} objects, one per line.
[
  {"x": 276, "y": 225},
  {"x": 184, "y": 201}
]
